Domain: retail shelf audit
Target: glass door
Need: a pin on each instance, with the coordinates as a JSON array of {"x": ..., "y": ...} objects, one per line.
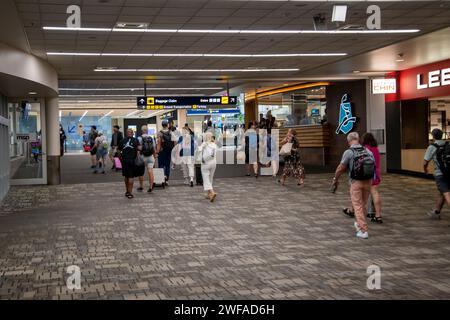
[{"x": 28, "y": 156}]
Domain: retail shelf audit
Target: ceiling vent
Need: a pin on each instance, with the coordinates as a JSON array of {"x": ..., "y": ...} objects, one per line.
[{"x": 131, "y": 25}]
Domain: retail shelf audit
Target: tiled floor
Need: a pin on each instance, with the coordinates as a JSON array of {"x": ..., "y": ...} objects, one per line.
[{"x": 258, "y": 241}]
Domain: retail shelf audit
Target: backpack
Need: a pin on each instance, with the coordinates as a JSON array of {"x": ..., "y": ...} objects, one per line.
[
  {"x": 167, "y": 143},
  {"x": 363, "y": 165},
  {"x": 443, "y": 158},
  {"x": 148, "y": 147}
]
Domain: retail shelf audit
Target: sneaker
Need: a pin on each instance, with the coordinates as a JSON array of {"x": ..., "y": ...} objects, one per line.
[
  {"x": 358, "y": 229},
  {"x": 362, "y": 235},
  {"x": 434, "y": 215}
]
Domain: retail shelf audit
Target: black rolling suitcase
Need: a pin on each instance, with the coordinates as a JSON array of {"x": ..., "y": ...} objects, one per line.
[{"x": 198, "y": 175}]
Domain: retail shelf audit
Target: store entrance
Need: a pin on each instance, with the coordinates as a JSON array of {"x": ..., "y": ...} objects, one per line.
[{"x": 27, "y": 143}]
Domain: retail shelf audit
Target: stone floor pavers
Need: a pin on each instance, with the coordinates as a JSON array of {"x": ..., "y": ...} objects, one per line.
[{"x": 259, "y": 240}]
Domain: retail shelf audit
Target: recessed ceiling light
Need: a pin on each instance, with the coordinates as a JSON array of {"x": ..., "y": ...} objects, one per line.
[
  {"x": 400, "y": 60},
  {"x": 246, "y": 31},
  {"x": 208, "y": 55},
  {"x": 32, "y": 93},
  {"x": 356, "y": 71},
  {"x": 132, "y": 25},
  {"x": 199, "y": 70}
]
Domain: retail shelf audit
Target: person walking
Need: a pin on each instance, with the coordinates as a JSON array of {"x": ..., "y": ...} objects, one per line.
[
  {"x": 93, "y": 134},
  {"x": 186, "y": 144},
  {"x": 251, "y": 139},
  {"x": 437, "y": 152},
  {"x": 293, "y": 166},
  {"x": 370, "y": 143},
  {"x": 117, "y": 136},
  {"x": 101, "y": 146},
  {"x": 360, "y": 165},
  {"x": 129, "y": 148},
  {"x": 62, "y": 139},
  {"x": 148, "y": 151},
  {"x": 208, "y": 151},
  {"x": 164, "y": 150}
]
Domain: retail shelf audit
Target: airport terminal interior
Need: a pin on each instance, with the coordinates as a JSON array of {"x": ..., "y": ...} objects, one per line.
[{"x": 224, "y": 149}]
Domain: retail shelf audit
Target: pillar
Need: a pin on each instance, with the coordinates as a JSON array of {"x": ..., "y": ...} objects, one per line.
[
  {"x": 250, "y": 111},
  {"x": 181, "y": 116},
  {"x": 53, "y": 144}
]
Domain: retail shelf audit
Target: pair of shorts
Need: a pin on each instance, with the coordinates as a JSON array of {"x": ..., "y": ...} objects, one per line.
[
  {"x": 442, "y": 184},
  {"x": 128, "y": 168},
  {"x": 93, "y": 149},
  {"x": 150, "y": 162}
]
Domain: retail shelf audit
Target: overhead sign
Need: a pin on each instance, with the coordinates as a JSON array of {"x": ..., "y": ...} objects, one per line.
[
  {"x": 199, "y": 112},
  {"x": 182, "y": 102},
  {"x": 436, "y": 78},
  {"x": 346, "y": 118},
  {"x": 427, "y": 81},
  {"x": 25, "y": 137},
  {"x": 383, "y": 86}
]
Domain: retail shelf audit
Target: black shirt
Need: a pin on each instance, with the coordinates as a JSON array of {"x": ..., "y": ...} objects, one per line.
[{"x": 128, "y": 146}]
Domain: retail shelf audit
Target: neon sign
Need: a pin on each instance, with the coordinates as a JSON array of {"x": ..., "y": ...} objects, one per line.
[{"x": 346, "y": 119}]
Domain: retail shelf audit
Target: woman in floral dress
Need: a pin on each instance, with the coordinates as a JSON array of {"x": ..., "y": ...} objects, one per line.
[{"x": 292, "y": 164}]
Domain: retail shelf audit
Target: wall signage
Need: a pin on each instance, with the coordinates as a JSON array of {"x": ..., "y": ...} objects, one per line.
[
  {"x": 180, "y": 102},
  {"x": 383, "y": 86},
  {"x": 436, "y": 78},
  {"x": 427, "y": 81},
  {"x": 346, "y": 118},
  {"x": 198, "y": 112},
  {"x": 25, "y": 137}
]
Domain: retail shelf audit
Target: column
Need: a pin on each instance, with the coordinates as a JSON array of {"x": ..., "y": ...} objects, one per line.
[
  {"x": 182, "y": 119},
  {"x": 53, "y": 144}
]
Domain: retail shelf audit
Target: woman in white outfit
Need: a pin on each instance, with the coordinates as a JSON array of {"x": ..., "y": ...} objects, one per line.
[
  {"x": 187, "y": 151},
  {"x": 208, "y": 151}
]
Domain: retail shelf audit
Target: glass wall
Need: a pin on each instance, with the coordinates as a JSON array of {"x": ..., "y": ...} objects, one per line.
[
  {"x": 25, "y": 141},
  {"x": 299, "y": 107},
  {"x": 74, "y": 126}
]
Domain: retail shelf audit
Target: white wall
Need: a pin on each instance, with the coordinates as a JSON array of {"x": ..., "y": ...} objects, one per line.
[{"x": 4, "y": 145}]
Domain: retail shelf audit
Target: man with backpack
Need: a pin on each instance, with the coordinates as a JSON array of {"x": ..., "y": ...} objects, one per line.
[
  {"x": 164, "y": 150},
  {"x": 360, "y": 165},
  {"x": 148, "y": 151},
  {"x": 129, "y": 148},
  {"x": 439, "y": 152}
]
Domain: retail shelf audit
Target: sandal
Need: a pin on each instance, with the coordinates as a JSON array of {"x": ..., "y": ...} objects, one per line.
[
  {"x": 377, "y": 220},
  {"x": 348, "y": 213},
  {"x": 129, "y": 195}
]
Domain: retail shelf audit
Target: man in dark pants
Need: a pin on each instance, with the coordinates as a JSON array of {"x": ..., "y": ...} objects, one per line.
[
  {"x": 164, "y": 150},
  {"x": 442, "y": 184},
  {"x": 129, "y": 148}
]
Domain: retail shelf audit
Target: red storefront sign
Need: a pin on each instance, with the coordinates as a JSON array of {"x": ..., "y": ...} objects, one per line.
[{"x": 431, "y": 80}]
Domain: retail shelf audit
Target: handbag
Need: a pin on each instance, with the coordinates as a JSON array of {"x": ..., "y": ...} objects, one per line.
[
  {"x": 240, "y": 156},
  {"x": 139, "y": 161},
  {"x": 286, "y": 149}
]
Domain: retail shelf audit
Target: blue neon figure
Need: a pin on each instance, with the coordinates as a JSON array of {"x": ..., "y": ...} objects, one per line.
[{"x": 346, "y": 119}]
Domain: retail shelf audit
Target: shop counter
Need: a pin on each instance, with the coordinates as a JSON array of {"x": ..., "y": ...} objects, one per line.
[{"x": 309, "y": 136}]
